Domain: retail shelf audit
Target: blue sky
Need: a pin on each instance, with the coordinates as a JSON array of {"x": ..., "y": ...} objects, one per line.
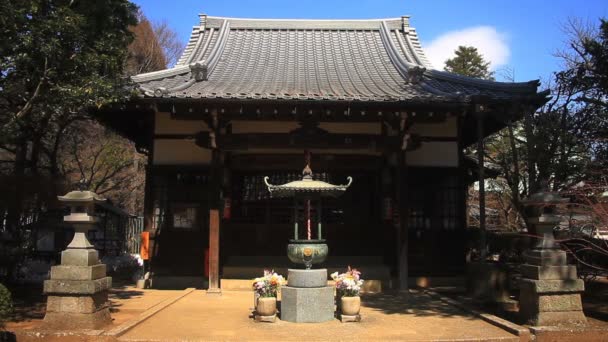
[{"x": 521, "y": 35}]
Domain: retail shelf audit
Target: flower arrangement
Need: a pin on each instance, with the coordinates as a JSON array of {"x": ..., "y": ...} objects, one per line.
[
  {"x": 348, "y": 284},
  {"x": 269, "y": 284}
]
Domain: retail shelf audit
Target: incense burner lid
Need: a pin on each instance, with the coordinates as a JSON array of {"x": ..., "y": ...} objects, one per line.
[{"x": 306, "y": 186}]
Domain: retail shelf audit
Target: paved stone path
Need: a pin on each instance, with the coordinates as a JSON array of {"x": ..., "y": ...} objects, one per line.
[{"x": 385, "y": 317}]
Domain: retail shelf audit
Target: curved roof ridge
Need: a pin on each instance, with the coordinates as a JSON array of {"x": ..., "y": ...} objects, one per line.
[
  {"x": 190, "y": 46},
  {"x": 154, "y": 75},
  {"x": 218, "y": 48},
  {"x": 302, "y": 19},
  {"x": 302, "y": 24},
  {"x": 448, "y": 76},
  {"x": 411, "y": 36}
]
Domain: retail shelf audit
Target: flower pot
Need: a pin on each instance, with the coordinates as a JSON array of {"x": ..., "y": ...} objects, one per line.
[
  {"x": 267, "y": 306},
  {"x": 350, "y": 306}
]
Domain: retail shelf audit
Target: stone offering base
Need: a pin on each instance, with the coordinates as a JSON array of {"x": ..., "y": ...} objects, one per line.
[
  {"x": 307, "y": 305},
  {"x": 347, "y": 318},
  {"x": 269, "y": 319}
]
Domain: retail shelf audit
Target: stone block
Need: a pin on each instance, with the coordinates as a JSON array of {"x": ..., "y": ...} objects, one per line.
[
  {"x": 372, "y": 286},
  {"x": 348, "y": 318},
  {"x": 307, "y": 278},
  {"x": 77, "y": 304},
  {"x": 546, "y": 257},
  {"x": 79, "y": 257},
  {"x": 307, "y": 305},
  {"x": 564, "y": 302},
  {"x": 531, "y": 303},
  {"x": 77, "y": 321},
  {"x": 77, "y": 287},
  {"x": 557, "y": 318},
  {"x": 78, "y": 272},
  {"x": 487, "y": 281},
  {"x": 551, "y": 286},
  {"x": 268, "y": 319},
  {"x": 548, "y": 272}
]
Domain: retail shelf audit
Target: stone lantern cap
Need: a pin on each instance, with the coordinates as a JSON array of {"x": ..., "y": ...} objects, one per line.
[
  {"x": 81, "y": 196},
  {"x": 306, "y": 186},
  {"x": 81, "y": 205},
  {"x": 544, "y": 203},
  {"x": 544, "y": 198}
]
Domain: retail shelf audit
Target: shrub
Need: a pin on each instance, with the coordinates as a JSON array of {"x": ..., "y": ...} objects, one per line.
[
  {"x": 6, "y": 304},
  {"x": 124, "y": 266}
]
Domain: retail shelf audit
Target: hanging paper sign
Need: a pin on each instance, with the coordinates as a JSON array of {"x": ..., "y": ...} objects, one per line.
[
  {"x": 227, "y": 206},
  {"x": 144, "y": 249}
]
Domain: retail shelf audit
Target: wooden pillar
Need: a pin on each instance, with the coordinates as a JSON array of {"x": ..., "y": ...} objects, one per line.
[
  {"x": 320, "y": 207},
  {"x": 482, "y": 183},
  {"x": 149, "y": 200},
  {"x": 214, "y": 252},
  {"x": 215, "y": 188},
  {"x": 402, "y": 228},
  {"x": 401, "y": 184}
]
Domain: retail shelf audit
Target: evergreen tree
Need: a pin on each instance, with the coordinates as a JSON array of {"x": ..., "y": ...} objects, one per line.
[
  {"x": 58, "y": 59},
  {"x": 469, "y": 62}
]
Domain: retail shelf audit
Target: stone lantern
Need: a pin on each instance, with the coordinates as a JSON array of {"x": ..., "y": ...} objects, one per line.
[
  {"x": 78, "y": 288},
  {"x": 550, "y": 292}
]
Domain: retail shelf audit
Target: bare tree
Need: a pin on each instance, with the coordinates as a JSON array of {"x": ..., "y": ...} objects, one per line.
[
  {"x": 169, "y": 41},
  {"x": 155, "y": 47},
  {"x": 108, "y": 164}
]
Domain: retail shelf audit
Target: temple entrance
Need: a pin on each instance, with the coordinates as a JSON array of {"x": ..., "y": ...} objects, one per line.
[
  {"x": 260, "y": 227},
  {"x": 435, "y": 222},
  {"x": 181, "y": 221}
]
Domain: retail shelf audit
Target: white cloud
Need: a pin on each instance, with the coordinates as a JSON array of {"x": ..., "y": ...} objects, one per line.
[{"x": 490, "y": 43}]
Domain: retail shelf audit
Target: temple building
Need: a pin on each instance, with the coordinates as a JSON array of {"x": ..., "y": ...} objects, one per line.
[{"x": 248, "y": 97}]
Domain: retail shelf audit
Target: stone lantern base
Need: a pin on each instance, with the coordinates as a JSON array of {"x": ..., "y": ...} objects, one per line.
[
  {"x": 550, "y": 290},
  {"x": 78, "y": 292}
]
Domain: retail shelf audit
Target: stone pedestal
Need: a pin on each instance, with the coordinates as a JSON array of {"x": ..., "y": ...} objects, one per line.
[
  {"x": 550, "y": 292},
  {"x": 78, "y": 288},
  {"x": 78, "y": 292},
  {"x": 310, "y": 300},
  {"x": 549, "y": 289}
]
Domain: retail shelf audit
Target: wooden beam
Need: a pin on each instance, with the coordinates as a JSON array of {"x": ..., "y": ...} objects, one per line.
[
  {"x": 243, "y": 141},
  {"x": 318, "y": 111}
]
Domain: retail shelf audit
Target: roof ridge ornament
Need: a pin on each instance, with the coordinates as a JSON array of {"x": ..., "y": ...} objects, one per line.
[
  {"x": 203, "y": 20},
  {"x": 307, "y": 173},
  {"x": 161, "y": 91},
  {"x": 405, "y": 23},
  {"x": 199, "y": 71},
  {"x": 414, "y": 74}
]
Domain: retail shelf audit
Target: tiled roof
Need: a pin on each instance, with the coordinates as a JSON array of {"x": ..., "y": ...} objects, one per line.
[{"x": 350, "y": 60}]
